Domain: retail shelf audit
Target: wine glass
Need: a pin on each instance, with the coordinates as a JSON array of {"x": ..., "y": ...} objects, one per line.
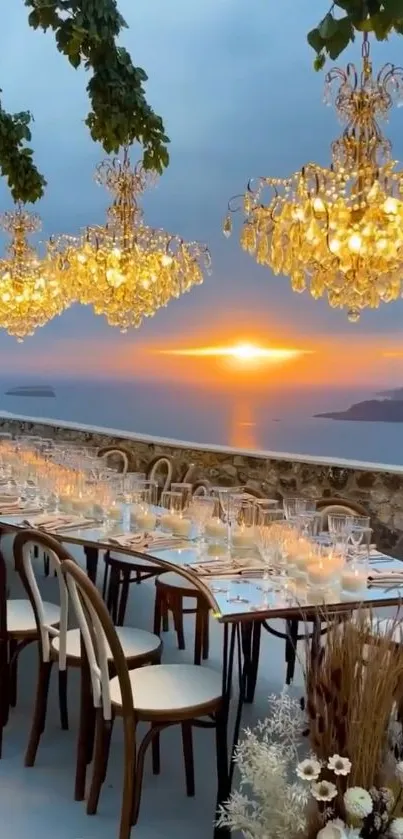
[
  {"x": 201, "y": 510},
  {"x": 340, "y": 526},
  {"x": 186, "y": 491}
]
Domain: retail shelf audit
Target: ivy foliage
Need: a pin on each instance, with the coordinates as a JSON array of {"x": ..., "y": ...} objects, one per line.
[
  {"x": 86, "y": 32},
  {"x": 347, "y": 18}
]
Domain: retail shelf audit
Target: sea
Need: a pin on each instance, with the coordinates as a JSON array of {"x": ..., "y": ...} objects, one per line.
[{"x": 274, "y": 420}]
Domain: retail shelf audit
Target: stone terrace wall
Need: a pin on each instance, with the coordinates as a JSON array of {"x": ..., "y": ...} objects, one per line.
[{"x": 378, "y": 489}]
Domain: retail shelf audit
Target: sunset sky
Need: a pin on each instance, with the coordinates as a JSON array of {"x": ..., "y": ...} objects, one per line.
[{"x": 235, "y": 85}]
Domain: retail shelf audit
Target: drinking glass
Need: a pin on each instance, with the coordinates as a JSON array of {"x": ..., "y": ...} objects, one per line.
[
  {"x": 360, "y": 527},
  {"x": 294, "y": 507},
  {"x": 340, "y": 526},
  {"x": 186, "y": 491},
  {"x": 231, "y": 504},
  {"x": 201, "y": 510}
]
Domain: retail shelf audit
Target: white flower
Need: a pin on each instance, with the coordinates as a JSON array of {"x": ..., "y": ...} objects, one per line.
[
  {"x": 324, "y": 791},
  {"x": 399, "y": 771},
  {"x": 339, "y": 765},
  {"x": 309, "y": 770},
  {"x": 333, "y": 829},
  {"x": 396, "y": 828},
  {"x": 358, "y": 802}
]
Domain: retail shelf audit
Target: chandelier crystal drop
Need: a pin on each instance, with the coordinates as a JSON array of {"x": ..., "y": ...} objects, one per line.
[
  {"x": 337, "y": 231},
  {"x": 32, "y": 290},
  {"x": 126, "y": 270}
]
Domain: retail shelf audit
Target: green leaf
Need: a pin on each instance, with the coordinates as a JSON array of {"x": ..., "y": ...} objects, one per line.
[
  {"x": 382, "y": 25},
  {"x": 394, "y": 8},
  {"x": 315, "y": 40},
  {"x": 341, "y": 38},
  {"x": 328, "y": 27},
  {"x": 319, "y": 62}
]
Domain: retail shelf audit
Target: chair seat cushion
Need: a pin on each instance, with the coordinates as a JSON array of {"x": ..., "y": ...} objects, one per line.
[
  {"x": 176, "y": 581},
  {"x": 21, "y": 618},
  {"x": 165, "y": 688},
  {"x": 135, "y": 642}
]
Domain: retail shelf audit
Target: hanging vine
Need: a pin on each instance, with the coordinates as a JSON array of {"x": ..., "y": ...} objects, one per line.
[{"x": 86, "y": 32}]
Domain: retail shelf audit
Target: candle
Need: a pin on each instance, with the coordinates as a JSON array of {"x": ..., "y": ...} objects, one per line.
[
  {"x": 66, "y": 503},
  {"x": 115, "y": 512},
  {"x": 215, "y": 527},
  {"x": 166, "y": 520},
  {"x": 180, "y": 526},
  {"x": 79, "y": 504},
  {"x": 144, "y": 519},
  {"x": 353, "y": 579},
  {"x": 242, "y": 537},
  {"x": 320, "y": 573},
  {"x": 216, "y": 550}
]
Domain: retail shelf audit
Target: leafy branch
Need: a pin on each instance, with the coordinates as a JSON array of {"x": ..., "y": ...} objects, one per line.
[
  {"x": 86, "y": 32},
  {"x": 336, "y": 30}
]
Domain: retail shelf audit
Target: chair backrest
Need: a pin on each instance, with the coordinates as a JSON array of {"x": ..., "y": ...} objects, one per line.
[
  {"x": 334, "y": 509},
  {"x": 23, "y": 547},
  {"x": 98, "y": 637},
  {"x": 162, "y": 470},
  {"x": 110, "y": 452}
]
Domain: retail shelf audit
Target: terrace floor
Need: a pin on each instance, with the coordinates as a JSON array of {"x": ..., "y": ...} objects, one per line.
[{"x": 38, "y": 802}]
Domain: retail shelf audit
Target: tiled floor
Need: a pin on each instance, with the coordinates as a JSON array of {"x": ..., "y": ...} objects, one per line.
[{"x": 38, "y": 803}]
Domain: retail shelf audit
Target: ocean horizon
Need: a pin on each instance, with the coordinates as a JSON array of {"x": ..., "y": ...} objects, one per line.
[{"x": 278, "y": 420}]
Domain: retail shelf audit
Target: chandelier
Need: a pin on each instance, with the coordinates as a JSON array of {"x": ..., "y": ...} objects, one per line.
[
  {"x": 337, "y": 231},
  {"x": 32, "y": 290},
  {"x": 124, "y": 269}
]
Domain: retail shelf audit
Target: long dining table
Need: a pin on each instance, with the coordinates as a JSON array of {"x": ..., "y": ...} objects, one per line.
[{"x": 244, "y": 605}]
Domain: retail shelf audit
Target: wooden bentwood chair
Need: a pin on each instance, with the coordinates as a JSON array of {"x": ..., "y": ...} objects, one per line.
[{"x": 161, "y": 695}]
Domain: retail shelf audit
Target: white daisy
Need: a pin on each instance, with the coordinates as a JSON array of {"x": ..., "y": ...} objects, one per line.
[
  {"x": 399, "y": 771},
  {"x": 396, "y": 829},
  {"x": 339, "y": 765},
  {"x": 358, "y": 802},
  {"x": 309, "y": 769},
  {"x": 333, "y": 829},
  {"x": 324, "y": 791}
]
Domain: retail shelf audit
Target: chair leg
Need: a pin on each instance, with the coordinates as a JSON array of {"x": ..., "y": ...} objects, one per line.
[
  {"x": 124, "y": 596},
  {"x": 13, "y": 659},
  {"x": 206, "y": 634},
  {"x": 138, "y": 769},
  {"x": 64, "y": 716},
  {"x": 39, "y": 719},
  {"x": 199, "y": 634},
  {"x": 86, "y": 710},
  {"x": 187, "y": 742},
  {"x": 165, "y": 614},
  {"x": 156, "y": 754},
  {"x": 129, "y": 776},
  {"x": 103, "y": 733},
  {"x": 223, "y": 782},
  {"x": 177, "y": 614},
  {"x": 157, "y": 611},
  {"x": 105, "y": 577}
]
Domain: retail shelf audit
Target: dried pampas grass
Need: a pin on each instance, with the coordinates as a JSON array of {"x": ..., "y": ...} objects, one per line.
[{"x": 353, "y": 684}]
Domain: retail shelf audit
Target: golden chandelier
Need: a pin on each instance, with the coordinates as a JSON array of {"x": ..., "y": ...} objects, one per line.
[
  {"x": 337, "y": 231},
  {"x": 124, "y": 269},
  {"x": 32, "y": 290}
]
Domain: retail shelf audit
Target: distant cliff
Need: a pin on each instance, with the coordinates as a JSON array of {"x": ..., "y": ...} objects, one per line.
[
  {"x": 372, "y": 410},
  {"x": 39, "y": 390}
]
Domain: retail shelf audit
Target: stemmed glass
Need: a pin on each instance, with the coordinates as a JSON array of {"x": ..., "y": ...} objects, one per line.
[
  {"x": 186, "y": 492},
  {"x": 340, "y": 527},
  {"x": 201, "y": 510},
  {"x": 231, "y": 504}
]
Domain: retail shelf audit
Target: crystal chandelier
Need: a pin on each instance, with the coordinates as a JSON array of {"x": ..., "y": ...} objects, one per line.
[
  {"x": 126, "y": 270},
  {"x": 337, "y": 231},
  {"x": 32, "y": 290}
]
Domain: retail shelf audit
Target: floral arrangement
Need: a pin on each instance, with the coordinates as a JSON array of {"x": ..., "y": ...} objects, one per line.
[
  {"x": 281, "y": 797},
  {"x": 350, "y": 784}
]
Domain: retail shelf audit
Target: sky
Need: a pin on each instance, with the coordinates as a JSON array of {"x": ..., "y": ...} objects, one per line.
[{"x": 234, "y": 83}]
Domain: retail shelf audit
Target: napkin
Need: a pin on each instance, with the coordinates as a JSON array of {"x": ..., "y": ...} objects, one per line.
[
  {"x": 53, "y": 522},
  {"x": 223, "y": 568},
  {"x": 138, "y": 541},
  {"x": 386, "y": 578}
]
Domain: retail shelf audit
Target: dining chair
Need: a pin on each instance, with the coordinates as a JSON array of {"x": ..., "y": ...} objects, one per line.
[
  {"x": 172, "y": 592},
  {"x": 162, "y": 695},
  {"x": 59, "y": 644}
]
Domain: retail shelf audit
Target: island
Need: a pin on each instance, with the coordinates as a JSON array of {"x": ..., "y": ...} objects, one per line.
[
  {"x": 372, "y": 410},
  {"x": 31, "y": 390}
]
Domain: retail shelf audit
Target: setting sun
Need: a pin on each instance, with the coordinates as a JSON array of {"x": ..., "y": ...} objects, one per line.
[{"x": 243, "y": 352}]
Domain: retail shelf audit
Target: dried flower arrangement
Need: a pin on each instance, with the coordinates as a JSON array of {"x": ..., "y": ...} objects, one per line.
[{"x": 351, "y": 785}]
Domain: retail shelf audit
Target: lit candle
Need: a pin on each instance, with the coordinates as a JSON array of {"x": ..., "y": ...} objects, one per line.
[
  {"x": 144, "y": 519},
  {"x": 115, "y": 512},
  {"x": 215, "y": 527},
  {"x": 216, "y": 550},
  {"x": 242, "y": 537},
  {"x": 80, "y": 504},
  {"x": 353, "y": 579},
  {"x": 66, "y": 503},
  {"x": 320, "y": 573},
  {"x": 181, "y": 527},
  {"x": 167, "y": 520}
]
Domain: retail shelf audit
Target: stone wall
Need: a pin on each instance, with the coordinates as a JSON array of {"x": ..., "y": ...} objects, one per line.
[{"x": 379, "y": 490}]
